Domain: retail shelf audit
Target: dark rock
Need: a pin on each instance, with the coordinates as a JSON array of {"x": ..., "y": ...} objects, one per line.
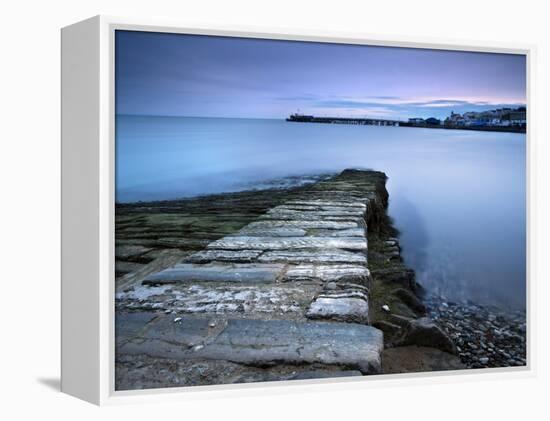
[
  {"x": 424, "y": 332},
  {"x": 389, "y": 329},
  {"x": 410, "y": 300},
  {"x": 398, "y": 274}
]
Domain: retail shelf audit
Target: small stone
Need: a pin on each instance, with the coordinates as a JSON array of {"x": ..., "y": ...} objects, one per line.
[
  {"x": 177, "y": 320},
  {"x": 483, "y": 360},
  {"x": 331, "y": 286},
  {"x": 386, "y": 308},
  {"x": 212, "y": 323}
]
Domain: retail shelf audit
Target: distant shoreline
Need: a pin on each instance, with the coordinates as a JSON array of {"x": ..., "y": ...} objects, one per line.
[
  {"x": 502, "y": 129},
  {"x": 396, "y": 123}
]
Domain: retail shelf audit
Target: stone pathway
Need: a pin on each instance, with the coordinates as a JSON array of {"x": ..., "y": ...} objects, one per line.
[{"x": 289, "y": 289}]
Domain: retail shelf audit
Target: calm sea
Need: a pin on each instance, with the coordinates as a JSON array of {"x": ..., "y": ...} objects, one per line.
[{"x": 458, "y": 197}]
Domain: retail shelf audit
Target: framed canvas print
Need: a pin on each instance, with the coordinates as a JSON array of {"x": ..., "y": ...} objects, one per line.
[{"x": 247, "y": 208}]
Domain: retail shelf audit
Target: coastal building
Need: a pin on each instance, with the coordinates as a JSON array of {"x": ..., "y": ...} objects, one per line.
[
  {"x": 500, "y": 117},
  {"x": 432, "y": 121},
  {"x": 517, "y": 118}
]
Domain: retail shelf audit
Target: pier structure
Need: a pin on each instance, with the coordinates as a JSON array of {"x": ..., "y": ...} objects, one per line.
[
  {"x": 290, "y": 290},
  {"x": 301, "y": 118},
  {"x": 313, "y": 286}
]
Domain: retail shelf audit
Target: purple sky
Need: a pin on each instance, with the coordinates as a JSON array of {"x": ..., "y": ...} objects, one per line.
[{"x": 187, "y": 75}]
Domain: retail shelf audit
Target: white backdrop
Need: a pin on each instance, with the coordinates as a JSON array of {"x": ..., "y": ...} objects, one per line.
[{"x": 29, "y": 166}]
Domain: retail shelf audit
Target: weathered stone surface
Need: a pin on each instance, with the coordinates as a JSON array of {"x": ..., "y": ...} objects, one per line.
[
  {"x": 327, "y": 273},
  {"x": 315, "y": 256},
  {"x": 163, "y": 259},
  {"x": 258, "y": 301},
  {"x": 340, "y": 203},
  {"x": 333, "y": 210},
  {"x": 144, "y": 372},
  {"x": 122, "y": 266},
  {"x": 266, "y": 300},
  {"x": 273, "y": 232},
  {"x": 217, "y": 272},
  {"x": 319, "y": 224},
  {"x": 344, "y": 309},
  {"x": 236, "y": 256},
  {"x": 325, "y": 374},
  {"x": 128, "y": 325},
  {"x": 261, "y": 343},
  {"x": 289, "y": 243},
  {"x": 129, "y": 251},
  {"x": 352, "y": 232},
  {"x": 312, "y": 216}
]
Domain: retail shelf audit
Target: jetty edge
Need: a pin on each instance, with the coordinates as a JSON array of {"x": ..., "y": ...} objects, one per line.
[{"x": 309, "y": 283}]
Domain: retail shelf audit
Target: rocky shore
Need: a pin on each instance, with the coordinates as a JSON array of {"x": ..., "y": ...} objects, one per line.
[
  {"x": 282, "y": 284},
  {"x": 485, "y": 336}
]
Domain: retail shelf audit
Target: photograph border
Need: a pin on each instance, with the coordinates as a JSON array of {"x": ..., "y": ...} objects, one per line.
[{"x": 106, "y": 206}]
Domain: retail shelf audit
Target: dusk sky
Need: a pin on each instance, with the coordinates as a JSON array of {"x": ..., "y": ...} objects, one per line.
[{"x": 203, "y": 76}]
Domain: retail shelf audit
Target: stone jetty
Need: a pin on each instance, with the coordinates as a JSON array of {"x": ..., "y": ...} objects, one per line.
[{"x": 288, "y": 295}]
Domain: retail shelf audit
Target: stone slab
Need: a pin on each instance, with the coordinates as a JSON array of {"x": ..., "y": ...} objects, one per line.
[
  {"x": 344, "y": 309},
  {"x": 311, "y": 216},
  {"x": 320, "y": 202},
  {"x": 263, "y": 343},
  {"x": 260, "y": 300},
  {"x": 289, "y": 243},
  {"x": 217, "y": 272},
  {"x": 334, "y": 210},
  {"x": 236, "y": 256},
  {"x": 351, "y": 232},
  {"x": 271, "y": 232},
  {"x": 327, "y": 273},
  {"x": 332, "y": 225},
  {"x": 316, "y": 256}
]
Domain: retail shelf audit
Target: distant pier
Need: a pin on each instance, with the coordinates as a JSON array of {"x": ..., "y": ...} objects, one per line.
[{"x": 300, "y": 118}]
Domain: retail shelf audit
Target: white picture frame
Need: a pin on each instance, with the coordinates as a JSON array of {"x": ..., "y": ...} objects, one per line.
[{"x": 88, "y": 209}]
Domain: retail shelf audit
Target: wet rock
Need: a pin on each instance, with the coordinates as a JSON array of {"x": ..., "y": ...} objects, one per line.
[
  {"x": 424, "y": 332},
  {"x": 486, "y": 335},
  {"x": 389, "y": 329},
  {"x": 410, "y": 300},
  {"x": 399, "y": 275}
]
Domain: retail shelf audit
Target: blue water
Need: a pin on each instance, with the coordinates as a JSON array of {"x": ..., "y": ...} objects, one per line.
[{"x": 458, "y": 197}]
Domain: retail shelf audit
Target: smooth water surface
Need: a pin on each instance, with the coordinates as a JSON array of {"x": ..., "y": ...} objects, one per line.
[{"x": 458, "y": 197}]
